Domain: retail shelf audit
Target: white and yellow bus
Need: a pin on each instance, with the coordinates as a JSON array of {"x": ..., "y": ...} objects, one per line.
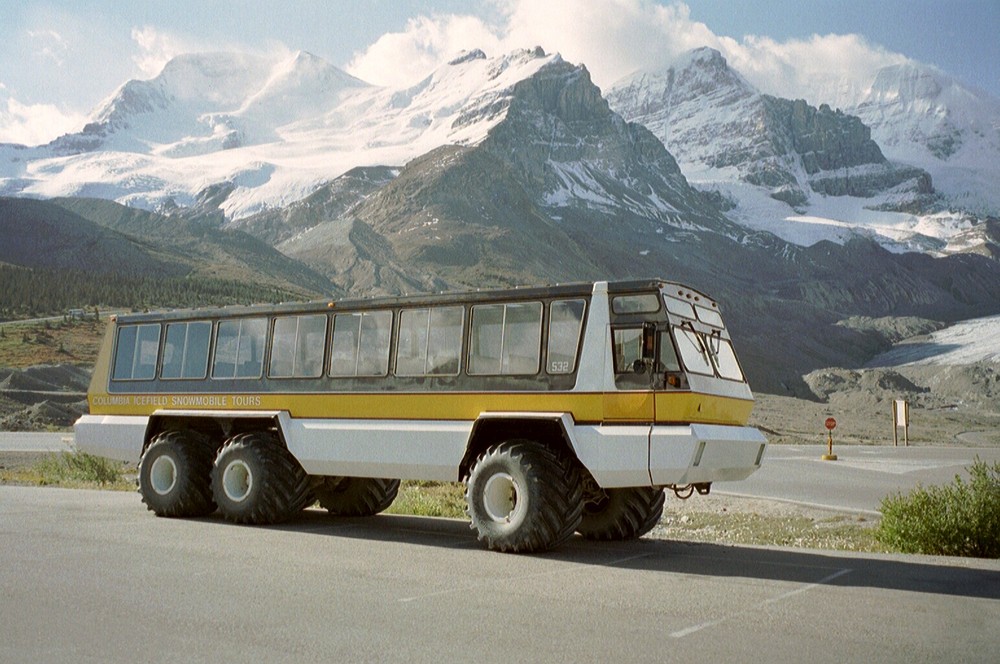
[{"x": 564, "y": 409}]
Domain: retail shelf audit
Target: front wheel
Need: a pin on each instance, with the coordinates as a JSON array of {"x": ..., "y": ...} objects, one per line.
[
  {"x": 522, "y": 496},
  {"x": 256, "y": 480},
  {"x": 174, "y": 475},
  {"x": 622, "y": 514}
]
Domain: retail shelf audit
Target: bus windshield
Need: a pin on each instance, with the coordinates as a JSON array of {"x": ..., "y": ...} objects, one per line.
[{"x": 708, "y": 354}]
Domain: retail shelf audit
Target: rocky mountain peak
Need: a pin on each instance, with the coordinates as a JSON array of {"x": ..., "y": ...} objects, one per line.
[
  {"x": 720, "y": 127},
  {"x": 467, "y": 56},
  {"x": 700, "y": 74},
  {"x": 823, "y": 138}
]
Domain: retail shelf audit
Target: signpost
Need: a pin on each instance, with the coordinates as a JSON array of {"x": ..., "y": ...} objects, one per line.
[
  {"x": 831, "y": 424},
  {"x": 900, "y": 418}
]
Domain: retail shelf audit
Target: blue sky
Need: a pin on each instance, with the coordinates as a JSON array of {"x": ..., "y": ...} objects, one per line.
[{"x": 60, "y": 58}]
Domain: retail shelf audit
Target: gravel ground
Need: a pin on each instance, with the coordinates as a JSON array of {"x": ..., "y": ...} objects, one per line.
[{"x": 19, "y": 460}]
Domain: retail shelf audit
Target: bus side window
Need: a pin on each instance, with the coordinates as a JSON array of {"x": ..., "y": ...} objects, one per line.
[
  {"x": 429, "y": 341},
  {"x": 373, "y": 353},
  {"x": 444, "y": 342},
  {"x": 628, "y": 349},
  {"x": 185, "y": 350},
  {"x": 506, "y": 339},
  {"x": 136, "y": 354},
  {"x": 361, "y": 344},
  {"x": 565, "y": 324},
  {"x": 239, "y": 348},
  {"x": 297, "y": 347},
  {"x": 344, "y": 352}
]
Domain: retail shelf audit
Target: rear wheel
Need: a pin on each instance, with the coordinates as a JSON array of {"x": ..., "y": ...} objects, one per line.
[
  {"x": 622, "y": 514},
  {"x": 356, "y": 496},
  {"x": 175, "y": 475},
  {"x": 256, "y": 480},
  {"x": 522, "y": 496}
]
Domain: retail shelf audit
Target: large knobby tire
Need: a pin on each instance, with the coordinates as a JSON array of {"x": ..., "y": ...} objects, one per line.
[
  {"x": 356, "y": 496},
  {"x": 256, "y": 480},
  {"x": 175, "y": 475},
  {"x": 622, "y": 514},
  {"x": 523, "y": 496}
]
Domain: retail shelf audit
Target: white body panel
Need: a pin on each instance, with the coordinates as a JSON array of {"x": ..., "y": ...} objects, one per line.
[
  {"x": 112, "y": 436},
  {"x": 402, "y": 449},
  {"x": 617, "y": 456},
  {"x": 704, "y": 453}
]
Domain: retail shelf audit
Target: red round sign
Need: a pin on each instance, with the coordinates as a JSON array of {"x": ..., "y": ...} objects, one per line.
[{"x": 831, "y": 423}]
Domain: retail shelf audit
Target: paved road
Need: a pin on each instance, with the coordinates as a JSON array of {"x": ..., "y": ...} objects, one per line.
[
  {"x": 859, "y": 479},
  {"x": 114, "y": 583},
  {"x": 35, "y": 442}
]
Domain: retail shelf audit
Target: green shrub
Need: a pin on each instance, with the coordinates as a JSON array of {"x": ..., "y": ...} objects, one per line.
[
  {"x": 958, "y": 519},
  {"x": 80, "y": 468}
]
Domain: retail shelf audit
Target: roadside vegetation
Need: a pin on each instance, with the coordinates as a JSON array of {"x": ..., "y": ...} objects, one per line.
[
  {"x": 444, "y": 499},
  {"x": 838, "y": 532},
  {"x": 957, "y": 519},
  {"x": 73, "y": 471}
]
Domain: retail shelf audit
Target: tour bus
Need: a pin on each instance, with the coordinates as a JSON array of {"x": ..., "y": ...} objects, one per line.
[{"x": 563, "y": 409}]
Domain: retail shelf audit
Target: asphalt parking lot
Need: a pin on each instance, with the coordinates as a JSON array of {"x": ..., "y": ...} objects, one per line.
[{"x": 92, "y": 576}]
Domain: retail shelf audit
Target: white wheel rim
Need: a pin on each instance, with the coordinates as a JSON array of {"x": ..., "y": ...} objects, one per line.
[
  {"x": 163, "y": 475},
  {"x": 237, "y": 480},
  {"x": 500, "y": 497}
]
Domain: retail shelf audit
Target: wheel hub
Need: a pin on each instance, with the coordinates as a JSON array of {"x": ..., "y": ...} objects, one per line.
[
  {"x": 163, "y": 475},
  {"x": 237, "y": 481},
  {"x": 500, "y": 497}
]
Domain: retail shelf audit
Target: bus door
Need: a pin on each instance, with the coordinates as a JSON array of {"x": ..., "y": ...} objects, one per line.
[{"x": 634, "y": 353}]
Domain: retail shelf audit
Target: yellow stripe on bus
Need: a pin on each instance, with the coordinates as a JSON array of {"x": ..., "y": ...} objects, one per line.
[{"x": 585, "y": 407}]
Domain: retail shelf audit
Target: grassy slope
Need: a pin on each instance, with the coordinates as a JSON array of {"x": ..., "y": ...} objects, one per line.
[{"x": 76, "y": 342}]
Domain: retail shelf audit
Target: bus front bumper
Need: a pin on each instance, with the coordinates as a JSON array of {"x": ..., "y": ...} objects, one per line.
[{"x": 643, "y": 455}]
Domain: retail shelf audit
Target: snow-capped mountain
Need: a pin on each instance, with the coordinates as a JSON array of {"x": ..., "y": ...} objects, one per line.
[
  {"x": 921, "y": 116},
  {"x": 273, "y": 132},
  {"x": 249, "y": 134},
  {"x": 809, "y": 174}
]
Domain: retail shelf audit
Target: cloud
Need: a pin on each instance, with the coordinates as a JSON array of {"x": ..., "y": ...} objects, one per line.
[
  {"x": 614, "y": 38},
  {"x": 399, "y": 59},
  {"x": 49, "y": 45},
  {"x": 157, "y": 47},
  {"x": 828, "y": 68},
  {"x": 34, "y": 124},
  {"x": 617, "y": 37}
]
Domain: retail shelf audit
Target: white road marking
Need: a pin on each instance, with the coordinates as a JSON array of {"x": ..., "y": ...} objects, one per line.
[
  {"x": 791, "y": 593},
  {"x": 565, "y": 570}
]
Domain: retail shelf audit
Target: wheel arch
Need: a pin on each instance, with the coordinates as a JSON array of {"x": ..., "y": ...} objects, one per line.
[
  {"x": 489, "y": 429},
  {"x": 214, "y": 426}
]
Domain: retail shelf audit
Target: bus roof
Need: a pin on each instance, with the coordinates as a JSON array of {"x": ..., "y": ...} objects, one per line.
[{"x": 579, "y": 289}]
